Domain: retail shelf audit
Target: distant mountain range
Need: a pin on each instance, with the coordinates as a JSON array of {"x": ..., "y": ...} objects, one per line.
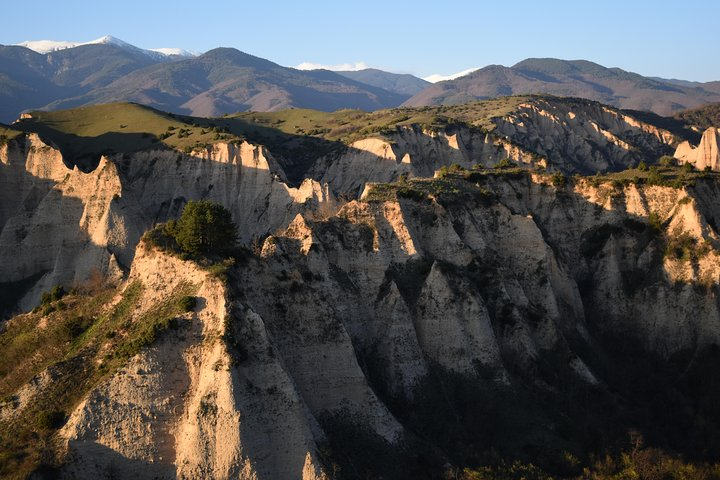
[
  {"x": 48, "y": 46},
  {"x": 404, "y": 84},
  {"x": 223, "y": 80},
  {"x": 53, "y": 75},
  {"x": 576, "y": 78}
]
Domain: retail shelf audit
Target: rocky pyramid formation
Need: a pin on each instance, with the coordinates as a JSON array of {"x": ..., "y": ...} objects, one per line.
[{"x": 705, "y": 155}]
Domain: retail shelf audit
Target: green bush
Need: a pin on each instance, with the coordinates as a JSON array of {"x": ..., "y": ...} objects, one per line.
[
  {"x": 411, "y": 194},
  {"x": 654, "y": 177},
  {"x": 666, "y": 161},
  {"x": 204, "y": 227},
  {"x": 188, "y": 303},
  {"x": 642, "y": 166},
  {"x": 504, "y": 163},
  {"x": 75, "y": 326},
  {"x": 50, "y": 420},
  {"x": 559, "y": 180},
  {"x": 55, "y": 294},
  {"x": 655, "y": 222}
]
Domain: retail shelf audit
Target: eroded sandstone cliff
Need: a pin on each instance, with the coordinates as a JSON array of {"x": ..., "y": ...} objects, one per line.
[
  {"x": 342, "y": 323},
  {"x": 401, "y": 333}
]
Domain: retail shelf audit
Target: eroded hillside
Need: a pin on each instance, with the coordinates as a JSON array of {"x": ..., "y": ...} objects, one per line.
[{"x": 431, "y": 295}]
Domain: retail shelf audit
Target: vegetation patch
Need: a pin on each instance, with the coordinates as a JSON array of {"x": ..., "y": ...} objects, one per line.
[
  {"x": 680, "y": 245},
  {"x": 446, "y": 189},
  {"x": 204, "y": 233},
  {"x": 701, "y": 118},
  {"x": 8, "y": 134},
  {"x": 88, "y": 132},
  {"x": 663, "y": 174},
  {"x": 78, "y": 347}
]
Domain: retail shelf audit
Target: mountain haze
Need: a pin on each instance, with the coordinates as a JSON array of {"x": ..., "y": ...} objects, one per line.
[{"x": 404, "y": 84}]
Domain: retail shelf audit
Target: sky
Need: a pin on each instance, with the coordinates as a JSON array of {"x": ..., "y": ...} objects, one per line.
[{"x": 667, "y": 39}]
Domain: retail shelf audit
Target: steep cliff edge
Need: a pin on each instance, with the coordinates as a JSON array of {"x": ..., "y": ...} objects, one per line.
[
  {"x": 419, "y": 322},
  {"x": 579, "y": 136},
  {"x": 59, "y": 225},
  {"x": 188, "y": 406}
]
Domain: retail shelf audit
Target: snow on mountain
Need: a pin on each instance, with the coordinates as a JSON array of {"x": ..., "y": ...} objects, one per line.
[
  {"x": 175, "y": 51},
  {"x": 345, "y": 67},
  {"x": 441, "y": 78},
  {"x": 47, "y": 46}
]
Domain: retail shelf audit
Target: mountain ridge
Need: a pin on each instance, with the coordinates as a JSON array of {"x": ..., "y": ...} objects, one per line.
[
  {"x": 576, "y": 78},
  {"x": 222, "y": 80},
  {"x": 226, "y": 80},
  {"x": 49, "y": 46}
]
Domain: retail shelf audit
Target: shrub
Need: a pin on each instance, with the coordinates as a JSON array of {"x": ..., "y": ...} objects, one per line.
[
  {"x": 50, "y": 420},
  {"x": 655, "y": 221},
  {"x": 187, "y": 303},
  {"x": 654, "y": 177},
  {"x": 411, "y": 194},
  {"x": 666, "y": 161},
  {"x": 55, "y": 294},
  {"x": 504, "y": 163},
  {"x": 75, "y": 326},
  {"x": 688, "y": 167},
  {"x": 558, "y": 180},
  {"x": 642, "y": 166}
]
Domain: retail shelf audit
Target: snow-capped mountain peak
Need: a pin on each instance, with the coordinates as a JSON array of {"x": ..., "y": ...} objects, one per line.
[
  {"x": 48, "y": 46},
  {"x": 441, "y": 78}
]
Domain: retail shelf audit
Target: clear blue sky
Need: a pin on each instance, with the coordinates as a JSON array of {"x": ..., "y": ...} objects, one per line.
[{"x": 658, "y": 38}]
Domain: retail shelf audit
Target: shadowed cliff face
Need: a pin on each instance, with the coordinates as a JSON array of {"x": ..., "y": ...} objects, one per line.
[
  {"x": 397, "y": 337},
  {"x": 64, "y": 224}
]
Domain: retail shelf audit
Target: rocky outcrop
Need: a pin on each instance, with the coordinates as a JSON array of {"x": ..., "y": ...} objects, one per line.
[
  {"x": 569, "y": 135},
  {"x": 705, "y": 155},
  {"x": 415, "y": 152},
  {"x": 62, "y": 224},
  {"x": 104, "y": 211},
  {"x": 578, "y": 136},
  {"x": 190, "y": 406},
  {"x": 342, "y": 324},
  {"x": 57, "y": 222}
]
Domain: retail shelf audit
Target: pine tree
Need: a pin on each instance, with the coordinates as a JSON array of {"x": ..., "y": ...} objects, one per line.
[{"x": 205, "y": 227}]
